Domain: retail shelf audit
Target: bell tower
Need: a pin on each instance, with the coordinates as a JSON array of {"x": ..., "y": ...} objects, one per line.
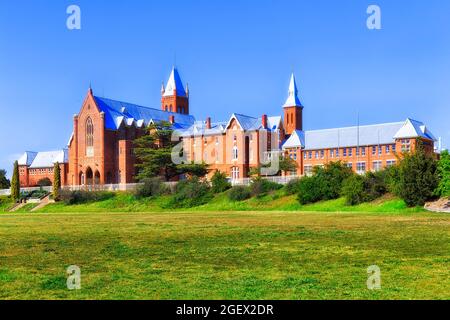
[
  {"x": 174, "y": 97},
  {"x": 293, "y": 109}
]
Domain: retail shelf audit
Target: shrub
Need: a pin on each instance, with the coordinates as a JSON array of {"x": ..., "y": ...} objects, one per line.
[
  {"x": 81, "y": 196},
  {"x": 418, "y": 178},
  {"x": 353, "y": 190},
  {"x": 190, "y": 193},
  {"x": 239, "y": 193},
  {"x": 443, "y": 189},
  {"x": 309, "y": 190},
  {"x": 219, "y": 182},
  {"x": 358, "y": 189},
  {"x": 151, "y": 187},
  {"x": 330, "y": 179},
  {"x": 44, "y": 182},
  {"x": 325, "y": 183},
  {"x": 260, "y": 186},
  {"x": 292, "y": 187}
]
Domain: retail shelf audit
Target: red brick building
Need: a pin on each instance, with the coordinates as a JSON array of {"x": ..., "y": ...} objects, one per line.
[
  {"x": 100, "y": 149},
  {"x": 35, "y": 166}
]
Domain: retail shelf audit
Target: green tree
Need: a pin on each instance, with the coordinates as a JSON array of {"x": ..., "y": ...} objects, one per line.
[
  {"x": 444, "y": 175},
  {"x": 418, "y": 178},
  {"x": 154, "y": 153},
  {"x": 193, "y": 169},
  {"x": 219, "y": 182},
  {"x": 287, "y": 164},
  {"x": 15, "y": 183},
  {"x": 4, "y": 182},
  {"x": 56, "y": 181}
]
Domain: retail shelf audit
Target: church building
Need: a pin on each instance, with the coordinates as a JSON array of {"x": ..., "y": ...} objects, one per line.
[{"x": 100, "y": 149}]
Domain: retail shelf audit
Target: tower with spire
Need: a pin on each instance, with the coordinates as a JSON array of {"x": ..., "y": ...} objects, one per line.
[
  {"x": 174, "y": 97},
  {"x": 293, "y": 109}
]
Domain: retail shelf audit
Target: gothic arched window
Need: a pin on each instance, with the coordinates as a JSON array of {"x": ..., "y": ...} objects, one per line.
[{"x": 89, "y": 137}]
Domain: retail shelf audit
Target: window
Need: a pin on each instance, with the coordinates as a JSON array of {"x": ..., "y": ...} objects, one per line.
[
  {"x": 374, "y": 150},
  {"x": 317, "y": 154},
  {"x": 406, "y": 145},
  {"x": 337, "y": 153},
  {"x": 217, "y": 140},
  {"x": 376, "y": 165},
  {"x": 304, "y": 155},
  {"x": 363, "y": 151},
  {"x": 322, "y": 154},
  {"x": 235, "y": 153},
  {"x": 388, "y": 149},
  {"x": 344, "y": 152},
  {"x": 361, "y": 167},
  {"x": 235, "y": 173},
  {"x": 390, "y": 163},
  {"x": 350, "y": 152},
  {"x": 349, "y": 165},
  {"x": 310, "y": 154},
  {"x": 89, "y": 138},
  {"x": 331, "y": 153},
  {"x": 380, "y": 150}
]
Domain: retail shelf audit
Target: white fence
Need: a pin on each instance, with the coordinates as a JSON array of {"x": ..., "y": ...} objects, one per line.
[
  {"x": 7, "y": 192},
  {"x": 133, "y": 186}
]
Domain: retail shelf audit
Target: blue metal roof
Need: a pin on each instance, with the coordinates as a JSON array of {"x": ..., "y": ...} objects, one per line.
[{"x": 118, "y": 112}]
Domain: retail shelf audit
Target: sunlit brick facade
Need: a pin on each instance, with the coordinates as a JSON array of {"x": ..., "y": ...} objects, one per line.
[{"x": 100, "y": 150}]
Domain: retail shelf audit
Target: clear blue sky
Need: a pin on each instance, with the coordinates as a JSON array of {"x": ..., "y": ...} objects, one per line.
[{"x": 235, "y": 55}]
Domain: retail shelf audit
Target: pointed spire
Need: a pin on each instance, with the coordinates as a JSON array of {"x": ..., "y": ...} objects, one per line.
[
  {"x": 162, "y": 88},
  {"x": 187, "y": 89},
  {"x": 90, "y": 89},
  {"x": 292, "y": 100},
  {"x": 174, "y": 84}
]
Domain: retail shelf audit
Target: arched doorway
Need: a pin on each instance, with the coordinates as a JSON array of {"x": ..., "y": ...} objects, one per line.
[
  {"x": 89, "y": 177},
  {"x": 97, "y": 178}
]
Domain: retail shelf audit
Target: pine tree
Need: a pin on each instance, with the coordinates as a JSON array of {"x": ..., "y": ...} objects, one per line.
[
  {"x": 154, "y": 153},
  {"x": 56, "y": 181},
  {"x": 15, "y": 183}
]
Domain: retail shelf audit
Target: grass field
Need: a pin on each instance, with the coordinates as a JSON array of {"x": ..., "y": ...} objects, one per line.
[
  {"x": 231, "y": 255},
  {"x": 277, "y": 201}
]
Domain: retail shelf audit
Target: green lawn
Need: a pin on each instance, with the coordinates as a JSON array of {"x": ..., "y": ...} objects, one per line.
[
  {"x": 231, "y": 255},
  {"x": 277, "y": 201}
]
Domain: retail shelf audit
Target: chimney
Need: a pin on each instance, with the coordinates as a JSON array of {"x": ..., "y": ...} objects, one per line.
[
  {"x": 172, "y": 119},
  {"x": 208, "y": 123},
  {"x": 264, "y": 121}
]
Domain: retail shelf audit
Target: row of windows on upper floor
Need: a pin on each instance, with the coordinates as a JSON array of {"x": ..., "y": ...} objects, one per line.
[
  {"x": 348, "y": 152},
  {"x": 180, "y": 109},
  {"x": 33, "y": 172}
]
